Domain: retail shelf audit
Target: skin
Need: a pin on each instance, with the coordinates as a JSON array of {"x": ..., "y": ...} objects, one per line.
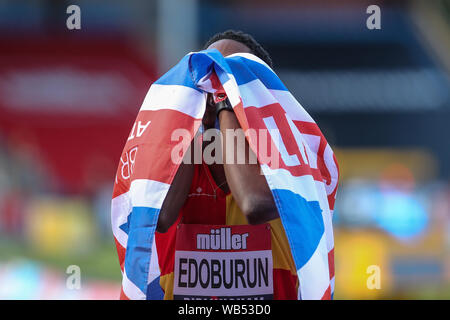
[{"x": 248, "y": 187}]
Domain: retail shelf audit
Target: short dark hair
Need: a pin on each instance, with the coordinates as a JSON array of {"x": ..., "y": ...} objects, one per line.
[{"x": 245, "y": 39}]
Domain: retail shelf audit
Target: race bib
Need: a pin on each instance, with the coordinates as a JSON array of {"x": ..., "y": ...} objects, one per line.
[{"x": 223, "y": 262}]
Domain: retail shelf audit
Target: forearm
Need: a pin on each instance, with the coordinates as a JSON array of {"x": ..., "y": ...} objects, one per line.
[
  {"x": 248, "y": 186},
  {"x": 176, "y": 196}
]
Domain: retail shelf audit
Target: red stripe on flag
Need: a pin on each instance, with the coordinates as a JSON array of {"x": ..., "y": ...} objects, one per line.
[
  {"x": 255, "y": 118},
  {"x": 331, "y": 263},
  {"x": 148, "y": 151},
  {"x": 327, "y": 294},
  {"x": 123, "y": 296}
]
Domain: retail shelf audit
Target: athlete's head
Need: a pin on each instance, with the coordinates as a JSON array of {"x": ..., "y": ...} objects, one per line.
[
  {"x": 231, "y": 41},
  {"x": 227, "y": 43}
]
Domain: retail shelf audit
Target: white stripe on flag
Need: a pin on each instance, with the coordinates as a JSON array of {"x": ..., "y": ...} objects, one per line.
[
  {"x": 282, "y": 179},
  {"x": 130, "y": 289},
  {"x": 120, "y": 209},
  {"x": 267, "y": 96},
  {"x": 255, "y": 94},
  {"x": 326, "y": 214},
  {"x": 175, "y": 97},
  {"x": 292, "y": 107},
  {"x": 332, "y": 285},
  {"x": 148, "y": 193},
  {"x": 153, "y": 272},
  {"x": 232, "y": 90},
  {"x": 331, "y": 166},
  {"x": 249, "y": 56},
  {"x": 314, "y": 276}
]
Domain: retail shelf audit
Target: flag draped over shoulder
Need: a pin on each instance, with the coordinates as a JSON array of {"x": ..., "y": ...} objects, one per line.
[{"x": 303, "y": 180}]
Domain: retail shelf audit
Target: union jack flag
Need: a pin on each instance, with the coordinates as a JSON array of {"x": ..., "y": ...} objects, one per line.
[{"x": 303, "y": 181}]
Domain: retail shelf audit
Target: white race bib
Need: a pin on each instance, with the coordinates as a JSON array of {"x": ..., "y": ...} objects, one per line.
[{"x": 223, "y": 262}]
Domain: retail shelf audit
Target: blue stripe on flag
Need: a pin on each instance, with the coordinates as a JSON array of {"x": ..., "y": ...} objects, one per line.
[
  {"x": 303, "y": 223},
  {"x": 179, "y": 75},
  {"x": 154, "y": 290},
  {"x": 126, "y": 226},
  {"x": 246, "y": 70},
  {"x": 201, "y": 64},
  {"x": 195, "y": 66},
  {"x": 142, "y": 228}
]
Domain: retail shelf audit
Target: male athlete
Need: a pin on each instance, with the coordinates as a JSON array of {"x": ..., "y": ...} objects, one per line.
[{"x": 230, "y": 194}]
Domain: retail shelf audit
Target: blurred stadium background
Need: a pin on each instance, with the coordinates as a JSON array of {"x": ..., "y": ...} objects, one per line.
[{"x": 68, "y": 99}]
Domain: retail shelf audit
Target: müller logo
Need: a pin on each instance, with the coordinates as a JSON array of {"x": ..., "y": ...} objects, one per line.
[{"x": 222, "y": 239}]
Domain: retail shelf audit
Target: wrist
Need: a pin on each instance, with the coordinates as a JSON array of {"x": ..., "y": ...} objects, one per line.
[{"x": 223, "y": 105}]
